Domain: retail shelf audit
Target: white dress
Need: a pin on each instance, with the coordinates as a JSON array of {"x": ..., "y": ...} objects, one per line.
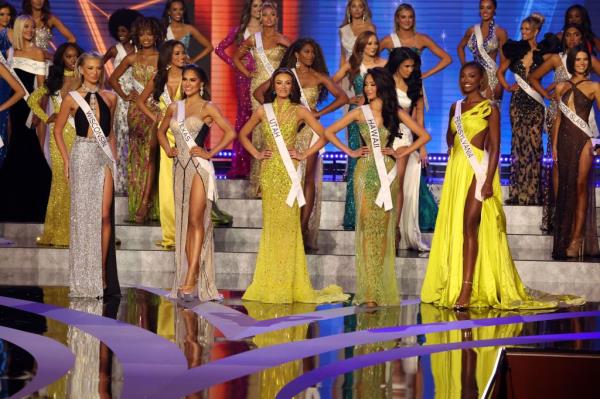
[
  {"x": 410, "y": 233},
  {"x": 347, "y": 40},
  {"x": 121, "y": 127}
]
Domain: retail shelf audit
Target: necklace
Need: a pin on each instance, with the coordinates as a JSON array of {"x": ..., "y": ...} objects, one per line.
[
  {"x": 68, "y": 73},
  {"x": 89, "y": 89},
  {"x": 93, "y": 99}
]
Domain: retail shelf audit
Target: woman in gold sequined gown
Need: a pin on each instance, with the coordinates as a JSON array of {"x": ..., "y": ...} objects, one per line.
[
  {"x": 141, "y": 165},
  {"x": 375, "y": 227},
  {"x": 281, "y": 274},
  {"x": 306, "y": 56},
  {"x": 274, "y": 44},
  {"x": 61, "y": 80}
]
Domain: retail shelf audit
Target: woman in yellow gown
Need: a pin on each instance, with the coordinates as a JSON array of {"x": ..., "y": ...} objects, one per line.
[
  {"x": 473, "y": 266},
  {"x": 281, "y": 274},
  {"x": 61, "y": 80},
  {"x": 375, "y": 240}
]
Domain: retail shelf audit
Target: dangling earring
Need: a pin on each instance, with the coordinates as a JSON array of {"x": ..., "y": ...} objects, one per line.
[
  {"x": 169, "y": 19},
  {"x": 202, "y": 91},
  {"x": 364, "y": 18},
  {"x": 168, "y": 67},
  {"x": 297, "y": 64},
  {"x": 348, "y": 17}
]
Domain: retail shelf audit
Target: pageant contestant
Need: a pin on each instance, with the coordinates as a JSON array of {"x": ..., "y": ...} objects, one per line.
[
  {"x": 305, "y": 58},
  {"x": 267, "y": 49},
  {"x": 357, "y": 20},
  {"x": 527, "y": 109},
  {"x": 485, "y": 40},
  {"x": 61, "y": 80},
  {"x": 375, "y": 185},
  {"x": 141, "y": 164},
  {"x": 119, "y": 26},
  {"x": 575, "y": 218},
  {"x": 470, "y": 264},
  {"x": 572, "y": 37},
  {"x": 177, "y": 27},
  {"x": 45, "y": 21},
  {"x": 405, "y": 66},
  {"x": 248, "y": 26},
  {"x": 25, "y": 168},
  {"x": 281, "y": 274},
  {"x": 579, "y": 15},
  {"x": 90, "y": 169},
  {"x": 406, "y": 35},
  {"x": 7, "y": 19},
  {"x": 364, "y": 56},
  {"x": 194, "y": 184}
]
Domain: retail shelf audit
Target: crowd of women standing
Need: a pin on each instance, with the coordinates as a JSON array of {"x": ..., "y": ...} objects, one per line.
[{"x": 152, "y": 131}]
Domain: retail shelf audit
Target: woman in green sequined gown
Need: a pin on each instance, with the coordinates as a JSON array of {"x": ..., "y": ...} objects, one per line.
[
  {"x": 375, "y": 227},
  {"x": 281, "y": 274}
]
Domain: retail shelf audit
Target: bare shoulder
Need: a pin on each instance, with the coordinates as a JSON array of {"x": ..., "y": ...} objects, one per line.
[
  {"x": 37, "y": 54},
  {"x": 501, "y": 32},
  {"x": 424, "y": 38}
]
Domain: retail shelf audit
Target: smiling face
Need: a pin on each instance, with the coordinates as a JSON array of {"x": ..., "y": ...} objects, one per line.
[
  {"x": 191, "y": 83},
  {"x": 357, "y": 9},
  {"x": 176, "y": 11},
  {"x": 283, "y": 85},
  {"x": 255, "y": 10},
  {"x": 28, "y": 30},
  {"x": 269, "y": 17},
  {"x": 486, "y": 9},
  {"x": 146, "y": 38},
  {"x": 582, "y": 63},
  {"x": 4, "y": 17},
  {"x": 124, "y": 34},
  {"x": 406, "y": 68},
  {"x": 527, "y": 31},
  {"x": 306, "y": 56},
  {"x": 178, "y": 56},
  {"x": 406, "y": 19},
  {"x": 370, "y": 88},
  {"x": 470, "y": 79},
  {"x": 70, "y": 58},
  {"x": 572, "y": 37},
  {"x": 91, "y": 70},
  {"x": 372, "y": 47}
]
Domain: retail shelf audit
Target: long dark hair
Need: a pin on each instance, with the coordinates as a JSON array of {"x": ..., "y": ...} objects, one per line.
[
  {"x": 165, "y": 15},
  {"x": 13, "y": 12},
  {"x": 572, "y": 56},
  {"x": 201, "y": 75},
  {"x": 384, "y": 81},
  {"x": 56, "y": 77},
  {"x": 244, "y": 21},
  {"x": 294, "y": 94},
  {"x": 414, "y": 81},
  {"x": 357, "y": 52},
  {"x": 165, "y": 54},
  {"x": 563, "y": 42},
  {"x": 289, "y": 61},
  {"x": 586, "y": 23},
  {"x": 28, "y": 10}
]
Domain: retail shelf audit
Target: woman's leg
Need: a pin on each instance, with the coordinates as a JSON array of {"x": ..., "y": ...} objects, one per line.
[
  {"x": 471, "y": 219},
  {"x": 401, "y": 166},
  {"x": 148, "y": 191},
  {"x": 585, "y": 164},
  {"x": 195, "y": 232},
  {"x": 107, "y": 202},
  {"x": 309, "y": 191}
]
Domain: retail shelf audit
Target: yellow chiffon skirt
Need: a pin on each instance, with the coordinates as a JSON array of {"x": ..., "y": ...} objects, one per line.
[{"x": 166, "y": 197}]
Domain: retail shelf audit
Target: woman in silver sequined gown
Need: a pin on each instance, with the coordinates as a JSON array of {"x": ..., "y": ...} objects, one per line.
[
  {"x": 194, "y": 185},
  {"x": 92, "y": 256}
]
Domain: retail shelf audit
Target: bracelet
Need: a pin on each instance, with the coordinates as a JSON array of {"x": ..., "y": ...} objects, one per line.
[{"x": 468, "y": 282}]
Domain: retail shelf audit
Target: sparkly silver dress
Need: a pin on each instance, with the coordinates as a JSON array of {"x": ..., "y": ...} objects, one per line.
[
  {"x": 87, "y": 167},
  {"x": 43, "y": 37},
  {"x": 121, "y": 127},
  {"x": 184, "y": 171}
]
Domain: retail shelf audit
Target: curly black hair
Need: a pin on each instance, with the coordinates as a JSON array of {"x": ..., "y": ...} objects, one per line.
[
  {"x": 121, "y": 17},
  {"x": 386, "y": 91},
  {"x": 294, "y": 94},
  {"x": 414, "y": 81},
  {"x": 56, "y": 78},
  {"x": 289, "y": 61},
  {"x": 146, "y": 23},
  {"x": 13, "y": 12},
  {"x": 165, "y": 53}
]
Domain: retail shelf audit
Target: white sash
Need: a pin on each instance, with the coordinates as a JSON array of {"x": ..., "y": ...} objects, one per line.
[
  {"x": 480, "y": 169},
  {"x": 9, "y": 66},
  {"x": 529, "y": 90},
  {"x": 384, "y": 196},
  {"x": 296, "y": 189},
  {"x": 95, "y": 126},
  {"x": 137, "y": 85},
  {"x": 304, "y": 101},
  {"x": 170, "y": 35},
  {"x": 261, "y": 53},
  {"x": 396, "y": 40},
  {"x": 573, "y": 117},
  {"x": 166, "y": 97},
  {"x": 491, "y": 66},
  {"x": 121, "y": 52},
  {"x": 199, "y": 162},
  {"x": 563, "y": 59},
  {"x": 592, "y": 118},
  {"x": 247, "y": 34}
]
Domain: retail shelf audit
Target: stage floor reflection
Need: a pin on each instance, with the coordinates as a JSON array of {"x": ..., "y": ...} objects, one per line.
[{"x": 145, "y": 344}]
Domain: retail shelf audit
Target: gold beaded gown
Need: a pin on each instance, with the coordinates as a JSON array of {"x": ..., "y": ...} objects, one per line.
[
  {"x": 375, "y": 237},
  {"x": 302, "y": 144},
  {"x": 56, "y": 223},
  {"x": 260, "y": 75},
  {"x": 281, "y": 274}
]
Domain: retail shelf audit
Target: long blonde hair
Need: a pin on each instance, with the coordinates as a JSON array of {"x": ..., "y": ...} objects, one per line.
[
  {"x": 18, "y": 30},
  {"x": 81, "y": 60},
  {"x": 367, "y": 15}
]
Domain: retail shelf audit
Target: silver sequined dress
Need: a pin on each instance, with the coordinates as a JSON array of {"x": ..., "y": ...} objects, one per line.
[{"x": 121, "y": 127}]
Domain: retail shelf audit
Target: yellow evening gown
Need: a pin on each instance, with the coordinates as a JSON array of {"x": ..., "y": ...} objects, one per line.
[
  {"x": 375, "y": 239},
  {"x": 496, "y": 281},
  {"x": 56, "y": 224},
  {"x": 165, "y": 183},
  {"x": 281, "y": 274}
]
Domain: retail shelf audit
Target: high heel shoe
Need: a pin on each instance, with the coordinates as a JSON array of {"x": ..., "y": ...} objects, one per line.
[
  {"x": 462, "y": 306},
  {"x": 575, "y": 249},
  {"x": 220, "y": 218},
  {"x": 142, "y": 213},
  {"x": 187, "y": 293}
]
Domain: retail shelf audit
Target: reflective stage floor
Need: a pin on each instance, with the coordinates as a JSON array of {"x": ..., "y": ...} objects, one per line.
[{"x": 146, "y": 345}]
